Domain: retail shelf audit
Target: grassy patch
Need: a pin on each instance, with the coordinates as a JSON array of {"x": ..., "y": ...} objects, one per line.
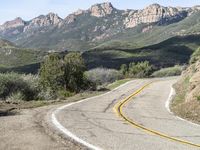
[
  {"x": 181, "y": 90},
  {"x": 171, "y": 71},
  {"x": 198, "y": 98}
]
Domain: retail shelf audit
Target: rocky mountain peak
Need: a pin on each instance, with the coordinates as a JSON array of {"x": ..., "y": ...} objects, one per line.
[
  {"x": 17, "y": 22},
  {"x": 43, "y": 21},
  {"x": 101, "y": 10},
  {"x": 152, "y": 14}
]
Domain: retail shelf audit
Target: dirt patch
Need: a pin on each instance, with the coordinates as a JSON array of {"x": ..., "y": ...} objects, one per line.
[{"x": 31, "y": 129}]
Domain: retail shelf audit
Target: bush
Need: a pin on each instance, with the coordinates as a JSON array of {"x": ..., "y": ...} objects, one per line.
[
  {"x": 47, "y": 94},
  {"x": 18, "y": 96},
  {"x": 101, "y": 76},
  {"x": 16, "y": 85},
  {"x": 140, "y": 70},
  {"x": 63, "y": 74},
  {"x": 52, "y": 73},
  {"x": 124, "y": 69},
  {"x": 171, "y": 71},
  {"x": 74, "y": 68}
]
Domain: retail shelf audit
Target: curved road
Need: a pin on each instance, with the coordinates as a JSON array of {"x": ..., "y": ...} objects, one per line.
[{"x": 99, "y": 121}]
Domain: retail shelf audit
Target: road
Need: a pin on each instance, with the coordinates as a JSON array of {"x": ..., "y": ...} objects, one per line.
[{"x": 100, "y": 121}]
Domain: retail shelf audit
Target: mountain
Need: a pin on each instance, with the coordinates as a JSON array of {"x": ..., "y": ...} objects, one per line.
[
  {"x": 173, "y": 51},
  {"x": 86, "y": 29}
]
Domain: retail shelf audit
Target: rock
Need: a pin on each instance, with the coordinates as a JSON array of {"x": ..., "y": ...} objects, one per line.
[
  {"x": 152, "y": 14},
  {"x": 101, "y": 10},
  {"x": 70, "y": 19},
  {"x": 43, "y": 21},
  {"x": 147, "y": 29},
  {"x": 18, "y": 22}
]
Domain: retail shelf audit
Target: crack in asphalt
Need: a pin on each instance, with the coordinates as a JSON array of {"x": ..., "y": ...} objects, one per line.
[
  {"x": 109, "y": 105},
  {"x": 97, "y": 124}
]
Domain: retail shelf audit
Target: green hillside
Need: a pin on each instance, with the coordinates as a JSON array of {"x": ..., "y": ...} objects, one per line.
[
  {"x": 14, "y": 57},
  {"x": 176, "y": 50}
]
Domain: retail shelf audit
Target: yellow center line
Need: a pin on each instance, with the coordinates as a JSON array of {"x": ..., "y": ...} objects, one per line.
[{"x": 118, "y": 108}]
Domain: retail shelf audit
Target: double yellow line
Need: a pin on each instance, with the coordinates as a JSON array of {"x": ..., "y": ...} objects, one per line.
[{"x": 118, "y": 108}]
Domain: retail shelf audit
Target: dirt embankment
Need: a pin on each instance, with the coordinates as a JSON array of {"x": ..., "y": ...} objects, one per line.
[{"x": 187, "y": 101}]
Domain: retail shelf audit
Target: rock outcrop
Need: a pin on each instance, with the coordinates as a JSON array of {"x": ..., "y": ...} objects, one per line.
[
  {"x": 101, "y": 10},
  {"x": 152, "y": 14},
  {"x": 130, "y": 18},
  {"x": 18, "y": 22},
  {"x": 43, "y": 21},
  {"x": 98, "y": 23}
]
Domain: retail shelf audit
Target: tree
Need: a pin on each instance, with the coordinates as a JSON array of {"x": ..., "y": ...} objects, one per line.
[
  {"x": 74, "y": 68},
  {"x": 63, "y": 74},
  {"x": 124, "y": 69},
  {"x": 52, "y": 73},
  {"x": 141, "y": 69}
]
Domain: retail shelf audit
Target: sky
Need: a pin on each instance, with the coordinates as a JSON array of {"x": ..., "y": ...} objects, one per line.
[{"x": 28, "y": 9}]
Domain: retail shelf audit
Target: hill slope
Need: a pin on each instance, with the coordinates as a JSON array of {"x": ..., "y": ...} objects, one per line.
[
  {"x": 176, "y": 50},
  {"x": 12, "y": 56}
]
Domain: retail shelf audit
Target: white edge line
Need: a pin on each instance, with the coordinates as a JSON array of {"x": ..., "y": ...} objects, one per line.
[
  {"x": 65, "y": 131},
  {"x": 167, "y": 105}
]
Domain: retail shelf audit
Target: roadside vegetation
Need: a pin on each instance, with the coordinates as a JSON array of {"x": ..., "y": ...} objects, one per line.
[
  {"x": 171, "y": 71},
  {"x": 66, "y": 78},
  {"x": 103, "y": 76},
  {"x": 136, "y": 70}
]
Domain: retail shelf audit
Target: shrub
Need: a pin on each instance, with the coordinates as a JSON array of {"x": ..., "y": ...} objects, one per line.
[
  {"x": 60, "y": 77},
  {"x": 101, "y": 76},
  {"x": 16, "y": 85},
  {"x": 140, "y": 70},
  {"x": 74, "y": 68},
  {"x": 171, "y": 71},
  {"x": 52, "y": 73},
  {"x": 124, "y": 69},
  {"x": 18, "y": 96}
]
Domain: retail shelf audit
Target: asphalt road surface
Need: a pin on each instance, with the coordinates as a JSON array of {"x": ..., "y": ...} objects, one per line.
[{"x": 100, "y": 121}]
